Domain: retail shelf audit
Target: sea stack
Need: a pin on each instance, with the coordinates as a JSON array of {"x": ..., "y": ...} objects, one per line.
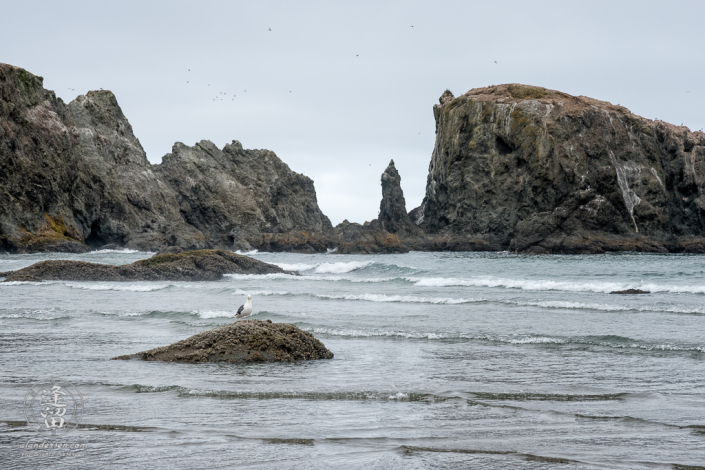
[{"x": 529, "y": 169}]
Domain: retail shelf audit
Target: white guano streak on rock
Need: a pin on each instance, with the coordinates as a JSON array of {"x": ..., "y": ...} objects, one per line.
[
  {"x": 630, "y": 198},
  {"x": 653, "y": 170}
]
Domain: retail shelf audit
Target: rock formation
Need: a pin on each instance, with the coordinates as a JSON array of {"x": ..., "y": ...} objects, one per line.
[
  {"x": 535, "y": 170},
  {"x": 198, "y": 265},
  {"x": 392, "y": 210},
  {"x": 514, "y": 167},
  {"x": 234, "y": 196},
  {"x": 74, "y": 177},
  {"x": 241, "y": 342},
  {"x": 367, "y": 238}
]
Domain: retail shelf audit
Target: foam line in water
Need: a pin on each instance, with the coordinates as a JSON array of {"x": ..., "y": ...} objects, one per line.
[
  {"x": 609, "y": 341},
  {"x": 340, "y": 268},
  {"x": 398, "y": 298},
  {"x": 119, "y": 287},
  {"x": 549, "y": 285},
  {"x": 126, "y": 251}
]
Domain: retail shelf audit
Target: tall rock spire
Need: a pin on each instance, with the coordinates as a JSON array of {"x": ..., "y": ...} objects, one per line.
[{"x": 392, "y": 210}]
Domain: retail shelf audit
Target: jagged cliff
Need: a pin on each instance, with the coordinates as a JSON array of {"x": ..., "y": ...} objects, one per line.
[
  {"x": 74, "y": 176},
  {"x": 514, "y": 167},
  {"x": 534, "y": 170},
  {"x": 237, "y": 197}
]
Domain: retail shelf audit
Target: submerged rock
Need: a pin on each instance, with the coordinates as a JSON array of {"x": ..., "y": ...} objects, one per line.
[
  {"x": 199, "y": 265},
  {"x": 630, "y": 291},
  {"x": 241, "y": 342}
]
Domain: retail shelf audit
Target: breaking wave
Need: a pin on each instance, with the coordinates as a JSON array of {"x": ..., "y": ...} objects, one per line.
[
  {"x": 119, "y": 287},
  {"x": 550, "y": 285},
  {"x": 125, "y": 252}
]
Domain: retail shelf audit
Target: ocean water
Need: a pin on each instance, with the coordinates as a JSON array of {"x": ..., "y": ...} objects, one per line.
[{"x": 442, "y": 360}]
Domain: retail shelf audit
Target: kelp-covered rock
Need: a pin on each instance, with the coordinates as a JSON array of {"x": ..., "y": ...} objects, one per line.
[
  {"x": 241, "y": 342},
  {"x": 199, "y": 265}
]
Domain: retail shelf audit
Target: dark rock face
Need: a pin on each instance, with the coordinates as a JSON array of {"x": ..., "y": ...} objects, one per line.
[
  {"x": 74, "y": 177},
  {"x": 294, "y": 242},
  {"x": 200, "y": 265},
  {"x": 241, "y": 342},
  {"x": 368, "y": 238},
  {"x": 530, "y": 169},
  {"x": 234, "y": 195},
  {"x": 392, "y": 210}
]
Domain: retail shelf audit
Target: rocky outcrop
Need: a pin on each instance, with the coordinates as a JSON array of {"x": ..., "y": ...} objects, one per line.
[
  {"x": 74, "y": 177},
  {"x": 248, "y": 341},
  {"x": 535, "y": 170},
  {"x": 392, "y": 209},
  {"x": 232, "y": 196},
  {"x": 368, "y": 238},
  {"x": 199, "y": 265},
  {"x": 293, "y": 242}
]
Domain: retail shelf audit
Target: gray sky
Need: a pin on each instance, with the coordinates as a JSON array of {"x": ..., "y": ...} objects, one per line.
[{"x": 337, "y": 89}]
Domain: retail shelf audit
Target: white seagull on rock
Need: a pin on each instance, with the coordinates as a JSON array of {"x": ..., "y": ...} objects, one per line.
[{"x": 245, "y": 310}]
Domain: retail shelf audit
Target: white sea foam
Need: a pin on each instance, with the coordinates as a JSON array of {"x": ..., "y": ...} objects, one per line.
[
  {"x": 398, "y": 298},
  {"x": 340, "y": 268},
  {"x": 374, "y": 333},
  {"x": 124, "y": 314},
  {"x": 249, "y": 277},
  {"x": 19, "y": 283},
  {"x": 261, "y": 292},
  {"x": 119, "y": 287},
  {"x": 214, "y": 313},
  {"x": 510, "y": 339},
  {"x": 125, "y": 252},
  {"x": 296, "y": 266},
  {"x": 251, "y": 252},
  {"x": 548, "y": 285}
]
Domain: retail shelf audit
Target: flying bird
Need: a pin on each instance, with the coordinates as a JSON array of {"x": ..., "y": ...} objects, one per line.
[
  {"x": 270, "y": 29},
  {"x": 495, "y": 61},
  {"x": 72, "y": 89},
  {"x": 246, "y": 309}
]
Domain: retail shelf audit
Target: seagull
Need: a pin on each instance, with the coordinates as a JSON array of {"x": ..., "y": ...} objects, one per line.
[
  {"x": 270, "y": 29},
  {"x": 245, "y": 310},
  {"x": 72, "y": 89},
  {"x": 495, "y": 61}
]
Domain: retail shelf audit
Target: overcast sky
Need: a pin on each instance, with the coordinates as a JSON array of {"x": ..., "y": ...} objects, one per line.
[{"x": 337, "y": 89}]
